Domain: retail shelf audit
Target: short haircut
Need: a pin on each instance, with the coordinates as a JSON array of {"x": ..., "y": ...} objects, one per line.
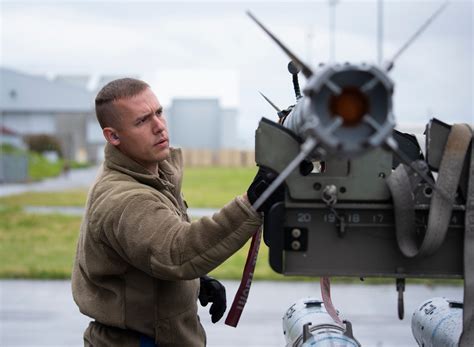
[{"x": 123, "y": 88}]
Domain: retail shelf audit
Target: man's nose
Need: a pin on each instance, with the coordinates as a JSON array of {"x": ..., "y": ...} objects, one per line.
[{"x": 158, "y": 124}]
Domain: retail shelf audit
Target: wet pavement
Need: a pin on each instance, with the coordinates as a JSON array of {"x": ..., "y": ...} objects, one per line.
[
  {"x": 79, "y": 211},
  {"x": 42, "y": 313},
  {"x": 75, "y": 179}
]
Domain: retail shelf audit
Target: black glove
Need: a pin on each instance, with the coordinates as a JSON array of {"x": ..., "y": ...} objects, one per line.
[
  {"x": 260, "y": 183},
  {"x": 306, "y": 167},
  {"x": 213, "y": 291}
]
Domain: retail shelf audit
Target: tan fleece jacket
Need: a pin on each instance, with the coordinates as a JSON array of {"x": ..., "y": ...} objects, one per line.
[{"x": 139, "y": 256}]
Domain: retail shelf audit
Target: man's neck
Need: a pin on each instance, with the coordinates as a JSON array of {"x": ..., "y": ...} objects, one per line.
[{"x": 153, "y": 168}]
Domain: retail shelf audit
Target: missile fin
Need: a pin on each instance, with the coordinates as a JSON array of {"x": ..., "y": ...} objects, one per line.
[
  {"x": 270, "y": 102},
  {"x": 304, "y": 68},
  {"x": 389, "y": 65}
]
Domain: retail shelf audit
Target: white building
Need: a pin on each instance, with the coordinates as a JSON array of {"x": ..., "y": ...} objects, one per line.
[
  {"x": 35, "y": 105},
  {"x": 202, "y": 124}
]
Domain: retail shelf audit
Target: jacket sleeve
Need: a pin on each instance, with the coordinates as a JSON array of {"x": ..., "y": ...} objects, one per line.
[{"x": 153, "y": 238}]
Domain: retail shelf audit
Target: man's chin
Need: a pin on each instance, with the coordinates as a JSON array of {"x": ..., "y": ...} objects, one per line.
[{"x": 164, "y": 154}]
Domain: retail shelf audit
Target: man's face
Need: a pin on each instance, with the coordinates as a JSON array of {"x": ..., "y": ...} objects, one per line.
[{"x": 142, "y": 133}]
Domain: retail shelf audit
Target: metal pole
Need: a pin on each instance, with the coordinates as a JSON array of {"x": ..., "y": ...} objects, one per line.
[
  {"x": 309, "y": 42},
  {"x": 332, "y": 30},
  {"x": 379, "y": 32}
]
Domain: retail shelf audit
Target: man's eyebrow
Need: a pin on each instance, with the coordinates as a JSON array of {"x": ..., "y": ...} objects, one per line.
[{"x": 143, "y": 116}]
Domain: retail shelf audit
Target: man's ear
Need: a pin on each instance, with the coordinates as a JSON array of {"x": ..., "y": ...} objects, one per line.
[{"x": 111, "y": 136}]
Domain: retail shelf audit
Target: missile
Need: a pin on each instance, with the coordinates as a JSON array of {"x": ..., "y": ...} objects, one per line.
[
  {"x": 306, "y": 323},
  {"x": 437, "y": 323}
]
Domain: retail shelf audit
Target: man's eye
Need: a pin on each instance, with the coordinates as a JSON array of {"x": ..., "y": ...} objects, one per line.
[
  {"x": 159, "y": 113},
  {"x": 141, "y": 121}
]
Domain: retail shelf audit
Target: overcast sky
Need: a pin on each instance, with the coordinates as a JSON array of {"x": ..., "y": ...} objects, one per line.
[{"x": 196, "y": 48}]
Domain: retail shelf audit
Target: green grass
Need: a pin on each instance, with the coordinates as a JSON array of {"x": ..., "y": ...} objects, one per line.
[
  {"x": 40, "y": 167},
  {"x": 36, "y": 246},
  {"x": 214, "y": 187},
  {"x": 65, "y": 198}
]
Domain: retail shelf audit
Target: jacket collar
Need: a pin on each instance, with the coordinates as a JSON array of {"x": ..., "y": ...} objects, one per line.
[{"x": 169, "y": 170}]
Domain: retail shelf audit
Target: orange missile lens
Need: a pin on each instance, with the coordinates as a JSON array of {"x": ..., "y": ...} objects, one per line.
[{"x": 351, "y": 105}]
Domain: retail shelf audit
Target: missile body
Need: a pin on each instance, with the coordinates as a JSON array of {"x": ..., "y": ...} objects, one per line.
[
  {"x": 307, "y": 324},
  {"x": 437, "y": 323}
]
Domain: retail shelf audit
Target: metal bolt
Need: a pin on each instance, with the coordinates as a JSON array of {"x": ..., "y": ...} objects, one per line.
[
  {"x": 295, "y": 245},
  {"x": 329, "y": 195},
  {"x": 296, "y": 233},
  {"x": 428, "y": 191}
]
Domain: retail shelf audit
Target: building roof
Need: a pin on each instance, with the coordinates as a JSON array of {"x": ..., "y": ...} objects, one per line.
[
  {"x": 76, "y": 80},
  {"x": 104, "y": 79},
  {"x": 7, "y": 131},
  {"x": 21, "y": 92}
]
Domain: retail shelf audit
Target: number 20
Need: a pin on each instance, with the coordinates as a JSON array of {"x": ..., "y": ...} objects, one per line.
[{"x": 303, "y": 217}]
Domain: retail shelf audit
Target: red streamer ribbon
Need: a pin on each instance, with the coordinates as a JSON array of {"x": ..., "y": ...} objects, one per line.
[
  {"x": 326, "y": 294},
  {"x": 242, "y": 294}
]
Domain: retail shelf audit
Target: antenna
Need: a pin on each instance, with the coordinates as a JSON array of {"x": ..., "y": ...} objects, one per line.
[
  {"x": 332, "y": 30},
  {"x": 379, "y": 32},
  {"x": 304, "y": 68},
  {"x": 270, "y": 102},
  {"x": 389, "y": 65}
]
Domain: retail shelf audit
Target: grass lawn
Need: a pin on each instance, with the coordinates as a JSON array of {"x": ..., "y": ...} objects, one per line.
[
  {"x": 66, "y": 198},
  {"x": 39, "y": 167},
  {"x": 214, "y": 187},
  {"x": 36, "y": 246}
]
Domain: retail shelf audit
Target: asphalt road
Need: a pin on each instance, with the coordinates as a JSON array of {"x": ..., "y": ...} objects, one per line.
[
  {"x": 42, "y": 313},
  {"x": 79, "y": 178}
]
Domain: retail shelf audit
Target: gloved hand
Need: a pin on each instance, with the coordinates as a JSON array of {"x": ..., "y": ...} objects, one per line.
[
  {"x": 213, "y": 291},
  {"x": 260, "y": 183}
]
